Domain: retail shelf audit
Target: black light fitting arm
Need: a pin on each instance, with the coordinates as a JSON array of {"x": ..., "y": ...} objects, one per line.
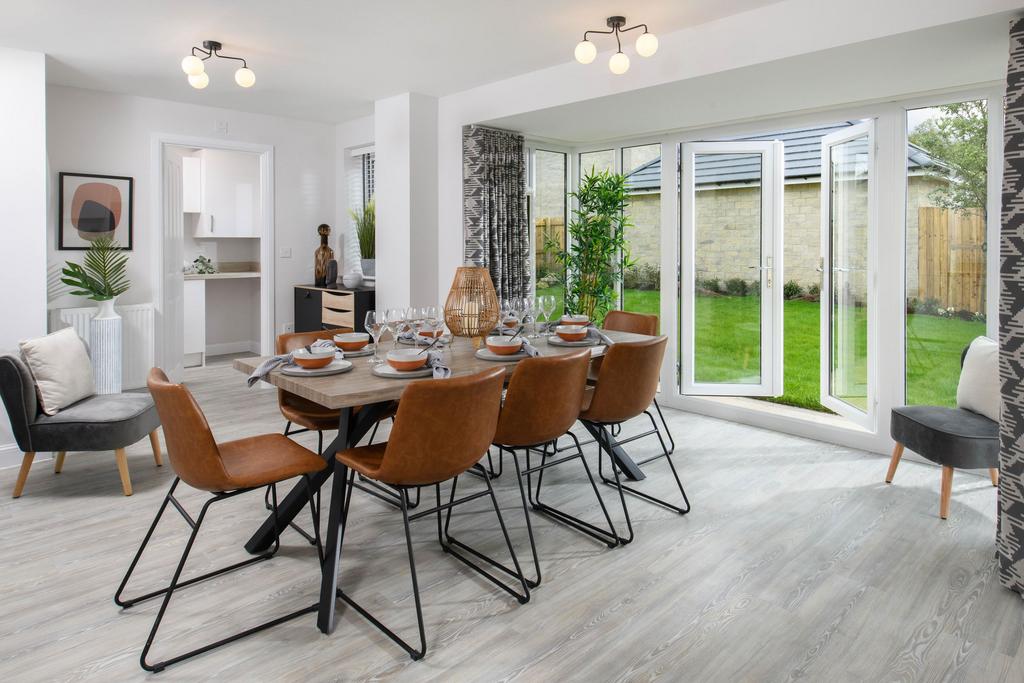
[
  {"x": 615, "y": 26},
  {"x": 212, "y": 48}
]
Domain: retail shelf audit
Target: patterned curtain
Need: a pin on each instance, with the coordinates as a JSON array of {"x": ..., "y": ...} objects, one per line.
[
  {"x": 494, "y": 207},
  {"x": 1010, "y": 543}
]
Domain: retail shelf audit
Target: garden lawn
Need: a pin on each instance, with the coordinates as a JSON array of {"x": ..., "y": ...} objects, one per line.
[{"x": 933, "y": 345}]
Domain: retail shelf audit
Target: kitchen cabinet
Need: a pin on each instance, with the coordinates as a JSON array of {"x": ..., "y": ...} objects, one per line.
[
  {"x": 191, "y": 184},
  {"x": 195, "y": 322},
  {"x": 229, "y": 189}
]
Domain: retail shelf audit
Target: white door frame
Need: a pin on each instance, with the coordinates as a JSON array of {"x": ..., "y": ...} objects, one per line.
[
  {"x": 769, "y": 264},
  {"x": 865, "y": 419},
  {"x": 168, "y": 351}
]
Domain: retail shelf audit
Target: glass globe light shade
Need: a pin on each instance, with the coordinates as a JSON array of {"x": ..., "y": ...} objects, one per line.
[
  {"x": 192, "y": 65},
  {"x": 585, "y": 52},
  {"x": 245, "y": 77},
  {"x": 619, "y": 63},
  {"x": 199, "y": 81},
  {"x": 646, "y": 44}
]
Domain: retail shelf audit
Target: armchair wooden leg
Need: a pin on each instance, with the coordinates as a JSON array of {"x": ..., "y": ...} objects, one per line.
[
  {"x": 154, "y": 440},
  {"x": 944, "y": 493},
  {"x": 58, "y": 462},
  {"x": 122, "y": 467},
  {"x": 994, "y": 474},
  {"x": 897, "y": 453},
  {"x": 26, "y": 465}
]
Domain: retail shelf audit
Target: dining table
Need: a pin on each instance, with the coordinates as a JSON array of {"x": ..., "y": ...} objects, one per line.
[{"x": 363, "y": 399}]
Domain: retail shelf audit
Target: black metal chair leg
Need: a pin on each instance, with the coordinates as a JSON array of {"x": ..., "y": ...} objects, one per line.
[
  {"x": 533, "y": 583},
  {"x": 668, "y": 432},
  {"x": 605, "y": 445}
]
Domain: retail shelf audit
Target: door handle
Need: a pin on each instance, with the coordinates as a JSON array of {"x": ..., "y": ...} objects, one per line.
[
  {"x": 766, "y": 267},
  {"x": 211, "y": 222}
]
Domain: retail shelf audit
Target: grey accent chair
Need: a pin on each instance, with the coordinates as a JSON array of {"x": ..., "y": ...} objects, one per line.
[
  {"x": 950, "y": 437},
  {"x": 98, "y": 423}
]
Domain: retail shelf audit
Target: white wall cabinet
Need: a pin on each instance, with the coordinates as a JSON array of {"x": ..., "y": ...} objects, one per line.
[
  {"x": 191, "y": 184},
  {"x": 230, "y": 194},
  {"x": 195, "y": 322}
]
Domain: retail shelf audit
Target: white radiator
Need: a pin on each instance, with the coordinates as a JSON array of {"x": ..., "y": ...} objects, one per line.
[{"x": 137, "y": 342}]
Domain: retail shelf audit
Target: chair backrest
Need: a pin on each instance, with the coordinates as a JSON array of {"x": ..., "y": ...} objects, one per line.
[
  {"x": 543, "y": 399},
  {"x": 443, "y": 427},
  {"x": 627, "y": 381},
  {"x": 637, "y": 323},
  {"x": 18, "y": 390},
  {"x": 190, "y": 445},
  {"x": 286, "y": 343}
]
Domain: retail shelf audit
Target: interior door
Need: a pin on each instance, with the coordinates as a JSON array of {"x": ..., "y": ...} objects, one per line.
[
  {"x": 171, "y": 316},
  {"x": 847, "y": 290},
  {"x": 732, "y": 275}
]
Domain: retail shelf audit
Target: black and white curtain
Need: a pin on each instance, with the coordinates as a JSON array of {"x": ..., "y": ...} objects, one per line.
[
  {"x": 1010, "y": 542},
  {"x": 495, "y": 220}
]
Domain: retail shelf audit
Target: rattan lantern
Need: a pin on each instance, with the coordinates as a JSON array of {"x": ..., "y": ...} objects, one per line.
[{"x": 471, "y": 309}]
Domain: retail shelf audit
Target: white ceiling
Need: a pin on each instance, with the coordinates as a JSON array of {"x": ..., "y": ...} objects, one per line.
[{"x": 325, "y": 60}]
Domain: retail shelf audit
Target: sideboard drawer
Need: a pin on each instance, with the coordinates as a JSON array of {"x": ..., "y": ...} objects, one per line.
[
  {"x": 339, "y": 302},
  {"x": 332, "y": 318}
]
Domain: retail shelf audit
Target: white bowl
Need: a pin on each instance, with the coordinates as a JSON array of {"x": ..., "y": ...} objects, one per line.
[
  {"x": 571, "y": 332},
  {"x": 574, "y": 320},
  {"x": 406, "y": 359},
  {"x": 352, "y": 341},
  {"x": 316, "y": 358},
  {"x": 504, "y": 346}
]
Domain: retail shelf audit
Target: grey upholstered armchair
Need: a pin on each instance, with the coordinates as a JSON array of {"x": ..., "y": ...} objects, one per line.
[{"x": 97, "y": 423}]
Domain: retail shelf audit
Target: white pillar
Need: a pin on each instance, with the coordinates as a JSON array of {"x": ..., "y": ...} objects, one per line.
[{"x": 405, "y": 132}]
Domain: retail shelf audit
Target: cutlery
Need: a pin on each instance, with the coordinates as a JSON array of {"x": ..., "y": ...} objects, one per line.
[{"x": 432, "y": 345}]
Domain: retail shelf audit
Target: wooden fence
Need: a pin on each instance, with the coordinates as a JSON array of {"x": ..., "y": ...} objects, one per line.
[
  {"x": 951, "y": 258},
  {"x": 548, "y": 229}
]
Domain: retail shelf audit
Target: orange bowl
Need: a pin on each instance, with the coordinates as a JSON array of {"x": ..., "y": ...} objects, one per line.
[
  {"x": 432, "y": 334},
  {"x": 504, "y": 346},
  {"x": 351, "y": 341},
  {"x": 311, "y": 361},
  {"x": 574, "y": 320},
  {"x": 405, "y": 360},
  {"x": 571, "y": 332}
]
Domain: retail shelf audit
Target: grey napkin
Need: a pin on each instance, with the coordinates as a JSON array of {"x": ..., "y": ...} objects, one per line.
[
  {"x": 595, "y": 334},
  {"x": 506, "y": 331},
  {"x": 531, "y": 350},
  {"x": 436, "y": 361},
  {"x": 272, "y": 363}
]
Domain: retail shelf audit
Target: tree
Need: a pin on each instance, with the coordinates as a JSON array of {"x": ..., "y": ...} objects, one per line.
[{"x": 957, "y": 138}]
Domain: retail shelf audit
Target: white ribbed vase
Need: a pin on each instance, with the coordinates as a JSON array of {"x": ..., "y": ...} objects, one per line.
[{"x": 105, "y": 348}]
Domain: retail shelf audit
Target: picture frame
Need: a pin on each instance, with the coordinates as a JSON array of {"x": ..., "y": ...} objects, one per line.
[{"x": 90, "y": 206}]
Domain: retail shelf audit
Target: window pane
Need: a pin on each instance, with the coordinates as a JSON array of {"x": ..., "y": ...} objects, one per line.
[
  {"x": 946, "y": 199},
  {"x": 848, "y": 248},
  {"x": 549, "y": 224},
  {"x": 642, "y": 281},
  {"x": 727, "y": 308},
  {"x": 597, "y": 161}
]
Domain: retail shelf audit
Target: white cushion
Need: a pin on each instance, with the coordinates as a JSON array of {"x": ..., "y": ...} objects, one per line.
[
  {"x": 978, "y": 390},
  {"x": 61, "y": 368}
]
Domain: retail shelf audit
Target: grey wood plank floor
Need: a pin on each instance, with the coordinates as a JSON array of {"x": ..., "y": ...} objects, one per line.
[{"x": 797, "y": 562}]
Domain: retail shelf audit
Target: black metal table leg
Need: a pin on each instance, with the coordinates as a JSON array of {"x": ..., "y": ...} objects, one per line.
[
  {"x": 626, "y": 464},
  {"x": 350, "y": 432}
]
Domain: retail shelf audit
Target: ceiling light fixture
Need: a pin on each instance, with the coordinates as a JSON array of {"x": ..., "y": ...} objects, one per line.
[
  {"x": 195, "y": 68},
  {"x": 586, "y": 51}
]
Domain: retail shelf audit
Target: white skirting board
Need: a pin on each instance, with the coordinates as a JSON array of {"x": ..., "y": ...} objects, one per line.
[{"x": 138, "y": 342}]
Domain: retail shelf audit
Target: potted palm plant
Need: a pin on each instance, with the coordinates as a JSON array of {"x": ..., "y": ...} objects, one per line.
[
  {"x": 597, "y": 252},
  {"x": 366, "y": 232},
  {"x": 101, "y": 277}
]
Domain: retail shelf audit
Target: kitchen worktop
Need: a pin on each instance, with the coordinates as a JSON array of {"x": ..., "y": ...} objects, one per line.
[{"x": 220, "y": 276}]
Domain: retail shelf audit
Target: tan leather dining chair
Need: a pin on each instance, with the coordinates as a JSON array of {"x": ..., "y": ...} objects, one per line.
[
  {"x": 225, "y": 470},
  {"x": 441, "y": 430},
  {"x": 541, "y": 404},
  {"x": 625, "y": 387}
]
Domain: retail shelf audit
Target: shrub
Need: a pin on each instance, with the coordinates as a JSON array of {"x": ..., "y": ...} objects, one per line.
[
  {"x": 711, "y": 284},
  {"x": 737, "y": 286},
  {"x": 642, "y": 276},
  {"x": 814, "y": 290},
  {"x": 792, "y": 290}
]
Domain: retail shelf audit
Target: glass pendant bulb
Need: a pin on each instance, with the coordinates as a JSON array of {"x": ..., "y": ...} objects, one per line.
[
  {"x": 619, "y": 63},
  {"x": 199, "y": 81},
  {"x": 192, "y": 65},
  {"x": 585, "y": 52},
  {"x": 647, "y": 44},
  {"x": 245, "y": 77}
]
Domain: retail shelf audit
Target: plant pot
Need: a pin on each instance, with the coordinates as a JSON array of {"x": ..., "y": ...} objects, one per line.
[
  {"x": 105, "y": 335},
  {"x": 369, "y": 267}
]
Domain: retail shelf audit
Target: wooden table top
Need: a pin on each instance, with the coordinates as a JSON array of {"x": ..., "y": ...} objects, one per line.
[{"x": 360, "y": 386}]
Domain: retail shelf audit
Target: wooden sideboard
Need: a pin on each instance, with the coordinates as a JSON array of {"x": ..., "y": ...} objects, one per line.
[{"x": 333, "y": 306}]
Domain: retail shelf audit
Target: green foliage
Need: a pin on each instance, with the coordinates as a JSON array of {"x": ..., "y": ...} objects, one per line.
[
  {"x": 958, "y": 138},
  {"x": 645, "y": 276},
  {"x": 792, "y": 290},
  {"x": 366, "y": 228},
  {"x": 597, "y": 252},
  {"x": 711, "y": 284},
  {"x": 102, "y": 275},
  {"x": 737, "y": 286}
]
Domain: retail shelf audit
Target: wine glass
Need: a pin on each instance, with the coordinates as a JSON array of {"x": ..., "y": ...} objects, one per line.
[
  {"x": 432, "y": 321},
  {"x": 375, "y": 325},
  {"x": 395, "y": 321},
  {"x": 529, "y": 316},
  {"x": 538, "y": 306},
  {"x": 548, "y": 305},
  {"x": 511, "y": 318},
  {"x": 415, "y": 320}
]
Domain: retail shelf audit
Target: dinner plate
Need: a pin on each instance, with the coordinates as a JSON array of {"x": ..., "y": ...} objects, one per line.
[
  {"x": 386, "y": 370},
  {"x": 409, "y": 342},
  {"x": 487, "y": 354},
  {"x": 335, "y": 367},
  {"x": 365, "y": 351},
  {"x": 558, "y": 341}
]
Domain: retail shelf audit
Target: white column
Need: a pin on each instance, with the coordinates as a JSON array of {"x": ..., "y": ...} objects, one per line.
[
  {"x": 23, "y": 197},
  {"x": 405, "y": 132}
]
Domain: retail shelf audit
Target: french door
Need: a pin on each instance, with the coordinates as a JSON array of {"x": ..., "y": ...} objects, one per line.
[
  {"x": 847, "y": 290},
  {"x": 731, "y": 258}
]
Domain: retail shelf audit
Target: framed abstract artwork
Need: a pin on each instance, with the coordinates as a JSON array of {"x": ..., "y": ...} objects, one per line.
[{"x": 93, "y": 206}]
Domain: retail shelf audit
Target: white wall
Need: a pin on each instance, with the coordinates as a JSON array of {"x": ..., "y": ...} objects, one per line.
[
  {"x": 97, "y": 132},
  {"x": 348, "y": 136},
  {"x": 23, "y": 197}
]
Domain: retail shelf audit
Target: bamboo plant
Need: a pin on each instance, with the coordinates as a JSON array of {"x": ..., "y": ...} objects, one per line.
[
  {"x": 597, "y": 252},
  {"x": 366, "y": 228},
  {"x": 101, "y": 276}
]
